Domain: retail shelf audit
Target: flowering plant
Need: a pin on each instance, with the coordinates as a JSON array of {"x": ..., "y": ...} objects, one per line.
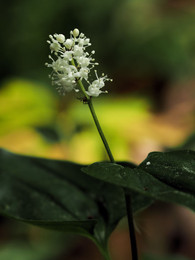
[{"x": 89, "y": 200}]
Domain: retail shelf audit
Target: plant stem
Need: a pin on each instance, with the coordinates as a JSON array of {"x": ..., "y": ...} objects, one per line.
[
  {"x": 92, "y": 110},
  {"x": 90, "y": 104},
  {"x": 102, "y": 247},
  {"x": 131, "y": 226},
  {"x": 127, "y": 196},
  {"x": 106, "y": 256},
  {"x": 105, "y": 253}
]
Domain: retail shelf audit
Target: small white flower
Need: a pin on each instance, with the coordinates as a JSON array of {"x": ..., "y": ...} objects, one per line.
[
  {"x": 68, "y": 43},
  {"x": 67, "y": 55},
  {"x": 55, "y": 46},
  {"x": 93, "y": 91},
  {"x": 83, "y": 61},
  {"x": 78, "y": 51},
  {"x": 87, "y": 41},
  {"x": 58, "y": 65},
  {"x": 60, "y": 38},
  {"x": 99, "y": 83},
  {"x": 84, "y": 73}
]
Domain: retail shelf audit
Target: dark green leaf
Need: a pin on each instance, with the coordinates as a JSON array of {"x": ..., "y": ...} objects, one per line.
[
  {"x": 58, "y": 195},
  {"x": 141, "y": 182},
  {"x": 138, "y": 201},
  {"x": 176, "y": 168}
]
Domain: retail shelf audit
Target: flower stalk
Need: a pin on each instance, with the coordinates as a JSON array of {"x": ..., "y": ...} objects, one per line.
[
  {"x": 90, "y": 104},
  {"x": 126, "y": 195}
]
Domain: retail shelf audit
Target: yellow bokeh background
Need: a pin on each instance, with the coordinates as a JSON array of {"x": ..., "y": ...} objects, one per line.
[{"x": 131, "y": 128}]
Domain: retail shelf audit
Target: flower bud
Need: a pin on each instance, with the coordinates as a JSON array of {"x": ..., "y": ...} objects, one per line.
[{"x": 75, "y": 32}]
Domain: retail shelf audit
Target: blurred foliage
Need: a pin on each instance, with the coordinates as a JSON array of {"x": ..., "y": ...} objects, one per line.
[
  {"x": 35, "y": 122},
  {"x": 147, "y": 39},
  {"x": 157, "y": 41},
  {"x": 189, "y": 143},
  {"x": 30, "y": 243},
  {"x": 25, "y": 104},
  {"x": 23, "y": 251}
]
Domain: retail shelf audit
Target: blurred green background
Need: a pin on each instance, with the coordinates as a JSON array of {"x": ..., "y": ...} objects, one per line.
[{"x": 147, "y": 47}]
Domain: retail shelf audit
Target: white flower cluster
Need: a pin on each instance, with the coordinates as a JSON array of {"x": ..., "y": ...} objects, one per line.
[{"x": 73, "y": 63}]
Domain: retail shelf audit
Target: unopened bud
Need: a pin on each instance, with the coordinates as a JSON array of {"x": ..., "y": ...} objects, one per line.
[{"x": 75, "y": 32}]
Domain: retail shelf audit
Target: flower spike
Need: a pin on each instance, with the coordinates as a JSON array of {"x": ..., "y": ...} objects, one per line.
[{"x": 73, "y": 63}]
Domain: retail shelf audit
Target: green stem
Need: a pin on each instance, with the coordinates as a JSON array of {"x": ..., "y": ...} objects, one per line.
[
  {"x": 102, "y": 247},
  {"x": 127, "y": 196},
  {"x": 105, "y": 253},
  {"x": 83, "y": 90},
  {"x": 92, "y": 110},
  {"x": 131, "y": 226},
  {"x": 80, "y": 83},
  {"x": 90, "y": 104}
]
